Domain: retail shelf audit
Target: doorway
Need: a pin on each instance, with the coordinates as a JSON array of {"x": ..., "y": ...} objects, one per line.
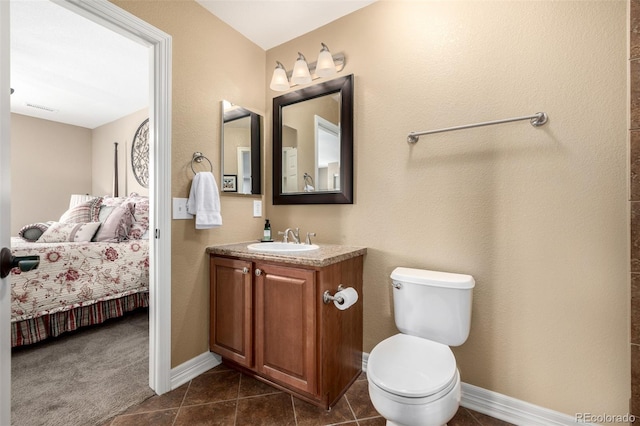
[
  {"x": 159, "y": 44},
  {"x": 110, "y": 16}
]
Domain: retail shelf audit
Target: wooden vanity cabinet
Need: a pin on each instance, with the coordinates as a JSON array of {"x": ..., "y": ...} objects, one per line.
[
  {"x": 231, "y": 324},
  {"x": 285, "y": 326},
  {"x": 268, "y": 319}
]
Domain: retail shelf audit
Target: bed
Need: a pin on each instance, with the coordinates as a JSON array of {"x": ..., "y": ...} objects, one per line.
[{"x": 94, "y": 265}]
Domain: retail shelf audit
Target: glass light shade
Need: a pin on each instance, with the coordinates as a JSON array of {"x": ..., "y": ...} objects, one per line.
[
  {"x": 279, "y": 81},
  {"x": 325, "y": 66},
  {"x": 301, "y": 73}
]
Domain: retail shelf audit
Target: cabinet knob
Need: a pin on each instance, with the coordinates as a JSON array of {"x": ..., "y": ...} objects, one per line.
[
  {"x": 245, "y": 270},
  {"x": 258, "y": 272}
]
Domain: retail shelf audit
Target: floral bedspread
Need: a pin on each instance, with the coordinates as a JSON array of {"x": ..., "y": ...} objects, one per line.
[{"x": 71, "y": 275}]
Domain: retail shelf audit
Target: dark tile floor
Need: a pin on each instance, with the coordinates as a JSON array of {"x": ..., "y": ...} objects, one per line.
[{"x": 223, "y": 396}]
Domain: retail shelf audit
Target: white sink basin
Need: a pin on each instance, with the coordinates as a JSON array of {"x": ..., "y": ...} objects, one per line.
[{"x": 280, "y": 247}]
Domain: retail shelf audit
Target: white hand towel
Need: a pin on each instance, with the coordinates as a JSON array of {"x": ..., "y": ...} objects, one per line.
[{"x": 204, "y": 201}]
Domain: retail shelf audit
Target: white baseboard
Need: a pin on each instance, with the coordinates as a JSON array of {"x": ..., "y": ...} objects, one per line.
[
  {"x": 193, "y": 368},
  {"x": 506, "y": 408},
  {"x": 512, "y": 410}
]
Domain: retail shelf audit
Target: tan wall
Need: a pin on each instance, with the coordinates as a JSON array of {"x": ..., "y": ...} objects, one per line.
[
  {"x": 211, "y": 62},
  {"x": 49, "y": 162},
  {"x": 537, "y": 216},
  {"x": 634, "y": 193},
  {"x": 234, "y": 138},
  {"x": 122, "y": 131}
]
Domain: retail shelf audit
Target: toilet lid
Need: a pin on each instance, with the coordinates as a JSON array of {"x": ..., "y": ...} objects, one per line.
[{"x": 411, "y": 366}]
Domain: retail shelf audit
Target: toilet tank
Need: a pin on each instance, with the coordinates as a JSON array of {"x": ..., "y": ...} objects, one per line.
[{"x": 433, "y": 305}]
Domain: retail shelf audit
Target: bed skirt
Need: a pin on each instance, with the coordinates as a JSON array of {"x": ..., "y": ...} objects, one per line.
[{"x": 33, "y": 330}]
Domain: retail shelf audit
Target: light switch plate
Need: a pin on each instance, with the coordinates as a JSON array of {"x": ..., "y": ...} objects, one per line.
[
  {"x": 180, "y": 209},
  {"x": 257, "y": 208}
]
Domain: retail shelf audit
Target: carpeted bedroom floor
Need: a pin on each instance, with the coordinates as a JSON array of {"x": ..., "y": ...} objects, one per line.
[{"x": 82, "y": 378}]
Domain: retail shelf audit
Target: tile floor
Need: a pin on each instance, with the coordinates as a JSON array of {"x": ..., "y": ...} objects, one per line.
[{"x": 223, "y": 396}]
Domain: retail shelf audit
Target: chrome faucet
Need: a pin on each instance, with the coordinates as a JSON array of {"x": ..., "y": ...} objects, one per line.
[{"x": 295, "y": 235}]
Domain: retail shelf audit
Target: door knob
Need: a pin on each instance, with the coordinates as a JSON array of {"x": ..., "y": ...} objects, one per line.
[
  {"x": 258, "y": 272},
  {"x": 8, "y": 262}
]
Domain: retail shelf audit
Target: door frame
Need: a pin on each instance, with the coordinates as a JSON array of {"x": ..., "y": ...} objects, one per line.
[
  {"x": 5, "y": 215},
  {"x": 160, "y": 48}
]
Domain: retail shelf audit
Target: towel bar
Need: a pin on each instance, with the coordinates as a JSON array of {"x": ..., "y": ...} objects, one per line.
[
  {"x": 197, "y": 157},
  {"x": 537, "y": 120}
]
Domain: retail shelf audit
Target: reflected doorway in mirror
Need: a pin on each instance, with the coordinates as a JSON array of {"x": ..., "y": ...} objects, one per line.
[{"x": 327, "y": 167}]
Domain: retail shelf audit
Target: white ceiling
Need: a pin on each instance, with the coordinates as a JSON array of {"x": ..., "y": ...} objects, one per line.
[
  {"x": 269, "y": 23},
  {"x": 89, "y": 76}
]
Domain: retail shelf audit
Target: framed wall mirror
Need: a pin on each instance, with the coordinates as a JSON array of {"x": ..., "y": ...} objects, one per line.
[
  {"x": 313, "y": 144},
  {"x": 241, "y": 153}
]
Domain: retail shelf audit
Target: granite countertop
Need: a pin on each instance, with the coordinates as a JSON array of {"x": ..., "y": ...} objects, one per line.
[{"x": 326, "y": 255}]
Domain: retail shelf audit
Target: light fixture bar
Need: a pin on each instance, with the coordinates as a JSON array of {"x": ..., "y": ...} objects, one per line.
[
  {"x": 338, "y": 59},
  {"x": 303, "y": 72}
]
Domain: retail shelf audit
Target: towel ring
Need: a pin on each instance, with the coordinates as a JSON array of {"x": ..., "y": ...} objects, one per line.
[{"x": 197, "y": 157}]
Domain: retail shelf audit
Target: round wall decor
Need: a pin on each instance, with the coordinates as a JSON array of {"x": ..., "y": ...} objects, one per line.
[{"x": 140, "y": 154}]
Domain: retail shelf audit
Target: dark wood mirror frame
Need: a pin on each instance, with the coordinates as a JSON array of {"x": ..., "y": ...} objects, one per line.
[
  {"x": 344, "y": 86},
  {"x": 256, "y": 156}
]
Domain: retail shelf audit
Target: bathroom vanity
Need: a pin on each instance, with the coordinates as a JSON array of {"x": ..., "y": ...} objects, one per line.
[{"x": 268, "y": 318}]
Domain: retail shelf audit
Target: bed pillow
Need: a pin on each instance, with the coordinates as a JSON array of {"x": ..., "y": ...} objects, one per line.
[
  {"x": 59, "y": 232},
  {"x": 107, "y": 200},
  {"x": 33, "y": 231},
  {"x": 105, "y": 211},
  {"x": 140, "y": 223},
  {"x": 115, "y": 227},
  {"x": 88, "y": 211}
]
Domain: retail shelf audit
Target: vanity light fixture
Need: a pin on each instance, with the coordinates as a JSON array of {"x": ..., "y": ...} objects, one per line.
[
  {"x": 326, "y": 67},
  {"x": 303, "y": 73},
  {"x": 279, "y": 81}
]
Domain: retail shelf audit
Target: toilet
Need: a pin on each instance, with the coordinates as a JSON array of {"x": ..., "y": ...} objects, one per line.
[{"x": 413, "y": 378}]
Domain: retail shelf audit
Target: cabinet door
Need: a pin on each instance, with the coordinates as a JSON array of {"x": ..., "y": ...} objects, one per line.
[
  {"x": 286, "y": 348},
  {"x": 231, "y": 310}
]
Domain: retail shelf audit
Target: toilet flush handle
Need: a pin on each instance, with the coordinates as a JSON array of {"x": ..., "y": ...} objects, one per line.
[{"x": 396, "y": 285}]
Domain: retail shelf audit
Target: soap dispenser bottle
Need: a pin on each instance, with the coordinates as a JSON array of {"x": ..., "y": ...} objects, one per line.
[{"x": 267, "y": 231}]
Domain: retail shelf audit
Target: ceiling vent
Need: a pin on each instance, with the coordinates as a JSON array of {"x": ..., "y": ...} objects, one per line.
[{"x": 41, "y": 107}]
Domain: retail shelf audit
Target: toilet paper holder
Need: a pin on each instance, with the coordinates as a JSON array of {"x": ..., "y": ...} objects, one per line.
[{"x": 328, "y": 298}]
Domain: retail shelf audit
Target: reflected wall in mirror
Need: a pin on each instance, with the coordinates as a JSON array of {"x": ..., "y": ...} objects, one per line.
[
  {"x": 241, "y": 154},
  {"x": 313, "y": 144}
]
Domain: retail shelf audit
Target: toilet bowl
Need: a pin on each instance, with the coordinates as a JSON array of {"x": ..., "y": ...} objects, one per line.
[
  {"x": 413, "y": 381},
  {"x": 413, "y": 377}
]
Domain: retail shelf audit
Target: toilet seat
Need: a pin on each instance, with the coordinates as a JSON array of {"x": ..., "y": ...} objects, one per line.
[{"x": 411, "y": 367}]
